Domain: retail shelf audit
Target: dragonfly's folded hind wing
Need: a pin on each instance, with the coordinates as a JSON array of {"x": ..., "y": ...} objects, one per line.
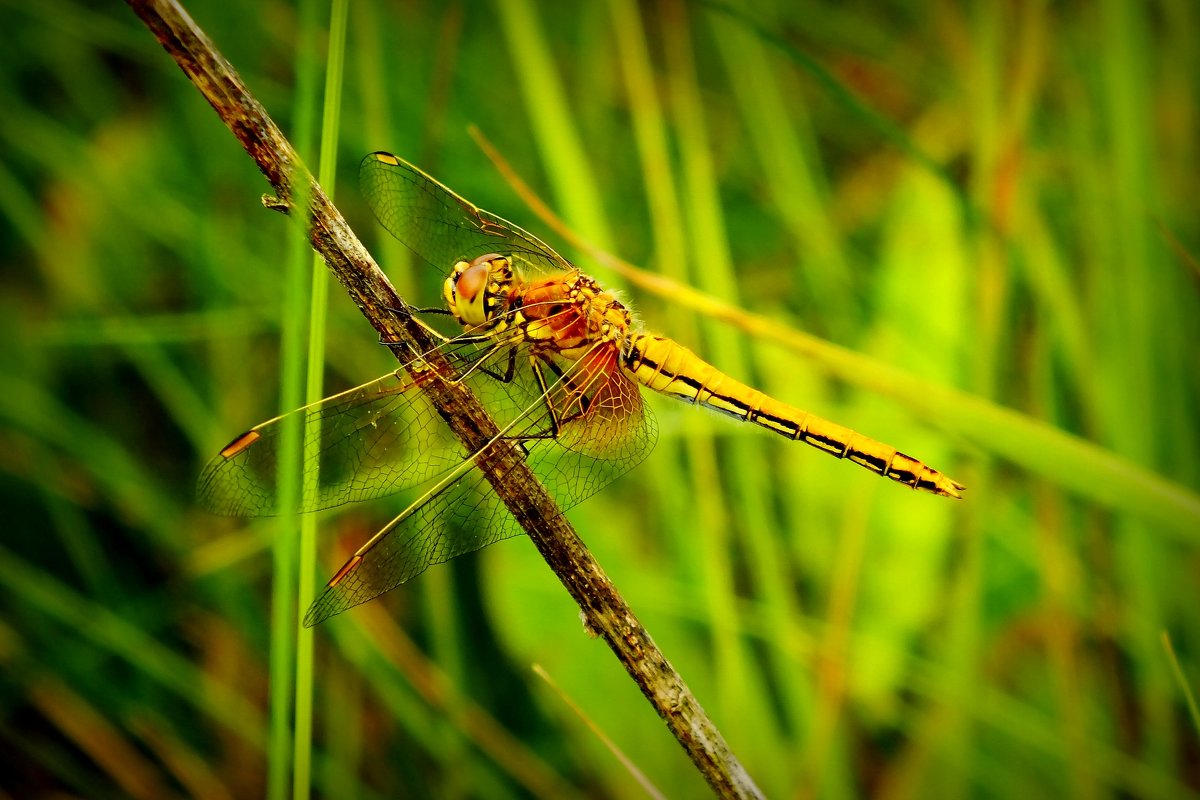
[
  {"x": 461, "y": 513},
  {"x": 457, "y": 518}
]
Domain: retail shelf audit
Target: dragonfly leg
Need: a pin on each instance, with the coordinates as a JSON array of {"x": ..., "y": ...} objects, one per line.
[
  {"x": 479, "y": 364},
  {"x": 577, "y": 395},
  {"x": 434, "y": 332},
  {"x": 545, "y": 387}
]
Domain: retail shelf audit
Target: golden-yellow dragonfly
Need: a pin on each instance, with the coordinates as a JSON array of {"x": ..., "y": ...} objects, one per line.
[{"x": 555, "y": 358}]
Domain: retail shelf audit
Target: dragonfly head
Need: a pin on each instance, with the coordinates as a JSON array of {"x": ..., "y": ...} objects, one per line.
[{"x": 477, "y": 291}]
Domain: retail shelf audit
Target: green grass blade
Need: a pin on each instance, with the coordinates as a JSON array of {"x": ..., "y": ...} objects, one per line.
[
  {"x": 114, "y": 634},
  {"x": 287, "y": 749},
  {"x": 549, "y": 114},
  {"x": 839, "y": 92},
  {"x": 1181, "y": 681},
  {"x": 314, "y": 390}
]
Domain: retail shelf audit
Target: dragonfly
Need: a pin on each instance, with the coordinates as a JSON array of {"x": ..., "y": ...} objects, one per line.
[{"x": 555, "y": 358}]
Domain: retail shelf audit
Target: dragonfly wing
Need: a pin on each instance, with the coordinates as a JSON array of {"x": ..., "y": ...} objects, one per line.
[
  {"x": 440, "y": 226},
  {"x": 372, "y": 440},
  {"x": 463, "y": 517},
  {"x": 605, "y": 428},
  {"x": 604, "y": 431}
]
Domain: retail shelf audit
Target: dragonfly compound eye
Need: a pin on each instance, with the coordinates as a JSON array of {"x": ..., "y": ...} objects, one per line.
[{"x": 470, "y": 292}]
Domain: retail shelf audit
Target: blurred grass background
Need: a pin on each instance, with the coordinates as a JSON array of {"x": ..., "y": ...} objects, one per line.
[{"x": 993, "y": 198}]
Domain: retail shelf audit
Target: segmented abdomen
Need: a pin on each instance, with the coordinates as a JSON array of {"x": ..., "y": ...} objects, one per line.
[{"x": 668, "y": 367}]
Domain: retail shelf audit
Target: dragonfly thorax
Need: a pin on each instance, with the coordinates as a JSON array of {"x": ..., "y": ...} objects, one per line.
[
  {"x": 477, "y": 291},
  {"x": 571, "y": 315}
]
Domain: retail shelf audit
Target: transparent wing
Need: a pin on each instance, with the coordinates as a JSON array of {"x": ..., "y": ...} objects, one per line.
[
  {"x": 603, "y": 432},
  {"x": 441, "y": 227},
  {"x": 373, "y": 440}
]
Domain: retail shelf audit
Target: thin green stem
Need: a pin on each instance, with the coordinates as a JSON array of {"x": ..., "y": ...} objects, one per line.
[
  {"x": 284, "y": 601},
  {"x": 313, "y": 391},
  {"x": 1184, "y": 687},
  {"x": 292, "y": 360}
]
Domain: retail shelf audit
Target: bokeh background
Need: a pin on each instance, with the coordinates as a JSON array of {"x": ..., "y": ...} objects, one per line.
[{"x": 991, "y": 206}]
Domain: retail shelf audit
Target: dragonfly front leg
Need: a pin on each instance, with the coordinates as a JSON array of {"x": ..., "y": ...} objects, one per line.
[
  {"x": 476, "y": 363},
  {"x": 414, "y": 313},
  {"x": 479, "y": 364}
]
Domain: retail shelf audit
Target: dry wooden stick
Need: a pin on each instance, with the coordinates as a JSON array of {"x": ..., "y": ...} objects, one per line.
[{"x": 502, "y": 464}]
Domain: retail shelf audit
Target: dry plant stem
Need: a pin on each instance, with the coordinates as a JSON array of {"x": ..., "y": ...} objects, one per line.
[{"x": 503, "y": 465}]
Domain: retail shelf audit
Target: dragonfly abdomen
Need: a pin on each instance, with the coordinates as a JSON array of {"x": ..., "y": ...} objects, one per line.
[{"x": 668, "y": 367}]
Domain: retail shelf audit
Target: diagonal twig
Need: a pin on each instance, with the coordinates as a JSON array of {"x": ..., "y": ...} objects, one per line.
[{"x": 502, "y": 464}]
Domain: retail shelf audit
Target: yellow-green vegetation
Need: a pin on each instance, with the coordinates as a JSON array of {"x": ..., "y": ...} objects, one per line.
[{"x": 971, "y": 233}]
